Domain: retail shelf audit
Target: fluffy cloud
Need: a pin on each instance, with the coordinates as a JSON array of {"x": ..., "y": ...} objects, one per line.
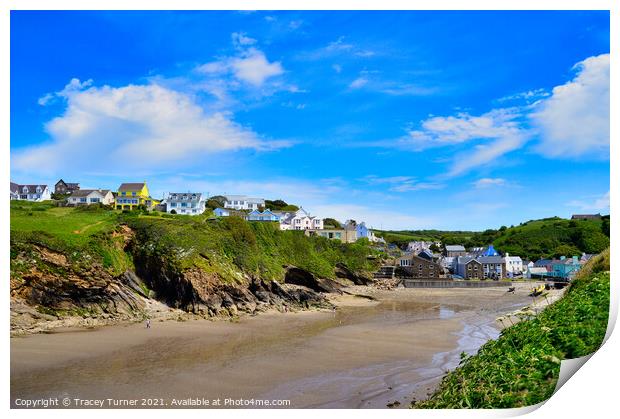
[
  {"x": 489, "y": 182},
  {"x": 574, "y": 121},
  {"x": 240, "y": 39},
  {"x": 250, "y": 66},
  {"x": 595, "y": 203},
  {"x": 358, "y": 83},
  {"x": 500, "y": 131},
  {"x": 133, "y": 127}
]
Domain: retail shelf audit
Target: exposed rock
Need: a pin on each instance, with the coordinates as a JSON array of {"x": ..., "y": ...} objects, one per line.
[
  {"x": 342, "y": 271},
  {"x": 304, "y": 278}
]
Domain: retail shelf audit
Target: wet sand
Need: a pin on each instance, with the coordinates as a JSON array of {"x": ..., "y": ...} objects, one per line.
[{"x": 366, "y": 354}]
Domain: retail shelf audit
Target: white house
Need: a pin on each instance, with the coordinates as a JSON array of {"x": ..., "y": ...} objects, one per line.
[
  {"x": 30, "y": 192},
  {"x": 243, "y": 202},
  {"x": 91, "y": 196},
  {"x": 514, "y": 265},
  {"x": 188, "y": 203},
  {"x": 299, "y": 220}
]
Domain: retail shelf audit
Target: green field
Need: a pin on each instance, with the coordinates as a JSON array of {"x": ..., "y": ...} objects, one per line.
[{"x": 65, "y": 223}]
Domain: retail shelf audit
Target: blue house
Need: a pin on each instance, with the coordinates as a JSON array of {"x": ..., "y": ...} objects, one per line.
[
  {"x": 565, "y": 268},
  {"x": 490, "y": 251},
  {"x": 221, "y": 212},
  {"x": 266, "y": 215}
]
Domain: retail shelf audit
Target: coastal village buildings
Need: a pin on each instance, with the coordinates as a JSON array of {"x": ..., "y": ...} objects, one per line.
[
  {"x": 418, "y": 246},
  {"x": 299, "y": 220},
  {"x": 132, "y": 195},
  {"x": 35, "y": 193},
  {"x": 344, "y": 235},
  {"x": 455, "y": 250},
  {"x": 514, "y": 265},
  {"x": 243, "y": 202},
  {"x": 266, "y": 215},
  {"x": 418, "y": 266},
  {"x": 63, "y": 187},
  {"x": 187, "y": 203},
  {"x": 91, "y": 196}
]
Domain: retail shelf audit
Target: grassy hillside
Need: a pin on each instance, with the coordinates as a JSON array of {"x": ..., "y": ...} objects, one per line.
[
  {"x": 550, "y": 237},
  {"x": 553, "y": 237},
  {"x": 522, "y": 367},
  {"x": 228, "y": 246}
]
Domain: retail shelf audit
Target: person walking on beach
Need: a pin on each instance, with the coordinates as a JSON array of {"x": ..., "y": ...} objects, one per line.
[{"x": 148, "y": 323}]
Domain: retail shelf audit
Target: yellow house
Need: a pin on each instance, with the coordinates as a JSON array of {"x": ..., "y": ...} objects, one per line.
[{"x": 130, "y": 195}]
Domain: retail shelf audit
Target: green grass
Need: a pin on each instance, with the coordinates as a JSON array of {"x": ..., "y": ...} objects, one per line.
[
  {"x": 73, "y": 226},
  {"x": 521, "y": 368},
  {"x": 229, "y": 247}
]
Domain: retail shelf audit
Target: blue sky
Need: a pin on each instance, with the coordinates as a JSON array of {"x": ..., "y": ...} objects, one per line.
[{"x": 407, "y": 120}]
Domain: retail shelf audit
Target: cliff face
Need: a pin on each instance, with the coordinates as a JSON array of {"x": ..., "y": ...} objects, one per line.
[
  {"x": 92, "y": 266},
  {"x": 49, "y": 290}
]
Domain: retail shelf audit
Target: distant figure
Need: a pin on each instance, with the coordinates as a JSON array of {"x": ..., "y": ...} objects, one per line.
[{"x": 148, "y": 323}]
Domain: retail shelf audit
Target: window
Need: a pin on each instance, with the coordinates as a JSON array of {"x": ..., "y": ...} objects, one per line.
[
  {"x": 173, "y": 204},
  {"x": 124, "y": 193},
  {"x": 95, "y": 200},
  {"x": 82, "y": 199}
]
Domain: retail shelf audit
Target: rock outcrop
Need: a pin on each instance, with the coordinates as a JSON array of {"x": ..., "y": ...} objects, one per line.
[{"x": 342, "y": 271}]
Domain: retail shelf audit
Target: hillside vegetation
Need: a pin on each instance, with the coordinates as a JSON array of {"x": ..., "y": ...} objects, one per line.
[
  {"x": 534, "y": 239},
  {"x": 522, "y": 367},
  {"x": 227, "y": 246}
]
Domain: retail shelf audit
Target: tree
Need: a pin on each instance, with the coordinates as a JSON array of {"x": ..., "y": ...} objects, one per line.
[
  {"x": 221, "y": 200},
  {"x": 605, "y": 226},
  {"x": 331, "y": 222},
  {"x": 565, "y": 250},
  {"x": 213, "y": 203},
  {"x": 173, "y": 212}
]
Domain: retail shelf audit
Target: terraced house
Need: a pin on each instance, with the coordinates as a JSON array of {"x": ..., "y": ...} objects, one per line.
[
  {"x": 185, "y": 203},
  {"x": 131, "y": 195}
]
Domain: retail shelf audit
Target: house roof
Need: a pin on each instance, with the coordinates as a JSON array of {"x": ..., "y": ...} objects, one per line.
[
  {"x": 455, "y": 248},
  {"x": 244, "y": 198},
  {"x": 31, "y": 188},
  {"x": 131, "y": 186},
  {"x": 491, "y": 259},
  {"x": 85, "y": 192},
  {"x": 490, "y": 251},
  {"x": 173, "y": 196},
  {"x": 14, "y": 187}
]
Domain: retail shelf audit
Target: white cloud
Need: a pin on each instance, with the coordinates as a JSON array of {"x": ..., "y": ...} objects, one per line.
[
  {"x": 499, "y": 130},
  {"x": 358, "y": 83},
  {"x": 133, "y": 127},
  {"x": 75, "y": 85},
  {"x": 574, "y": 121},
  {"x": 337, "y": 68},
  {"x": 489, "y": 182},
  {"x": 241, "y": 39},
  {"x": 401, "y": 183},
  {"x": 595, "y": 203},
  {"x": 529, "y": 96},
  {"x": 251, "y": 66}
]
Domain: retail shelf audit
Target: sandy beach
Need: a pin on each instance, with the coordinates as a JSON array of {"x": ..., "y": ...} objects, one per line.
[{"x": 366, "y": 354}]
